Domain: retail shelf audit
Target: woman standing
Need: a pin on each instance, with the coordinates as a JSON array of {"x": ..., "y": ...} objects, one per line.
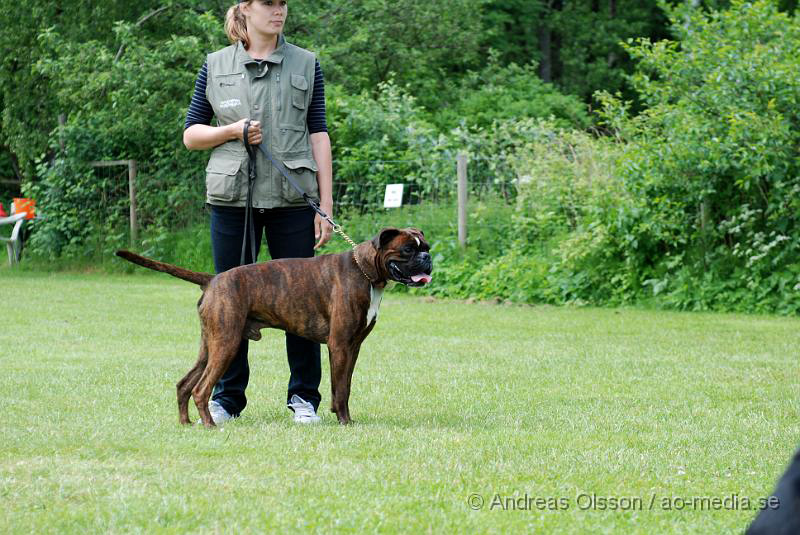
[{"x": 278, "y": 87}]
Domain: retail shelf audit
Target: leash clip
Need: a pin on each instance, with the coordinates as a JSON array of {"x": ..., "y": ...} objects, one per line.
[{"x": 313, "y": 204}]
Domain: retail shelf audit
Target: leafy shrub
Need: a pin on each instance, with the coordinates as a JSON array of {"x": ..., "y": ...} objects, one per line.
[
  {"x": 131, "y": 106},
  {"x": 389, "y": 140},
  {"x": 384, "y": 140},
  {"x": 509, "y": 92},
  {"x": 570, "y": 202},
  {"x": 713, "y": 159}
]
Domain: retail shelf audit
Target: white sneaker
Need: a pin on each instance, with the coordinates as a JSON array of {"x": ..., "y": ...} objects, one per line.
[
  {"x": 218, "y": 413},
  {"x": 304, "y": 412}
]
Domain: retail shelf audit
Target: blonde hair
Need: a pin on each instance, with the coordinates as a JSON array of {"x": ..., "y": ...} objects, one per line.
[{"x": 236, "y": 25}]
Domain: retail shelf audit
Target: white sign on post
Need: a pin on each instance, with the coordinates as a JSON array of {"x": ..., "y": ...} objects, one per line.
[{"x": 393, "y": 198}]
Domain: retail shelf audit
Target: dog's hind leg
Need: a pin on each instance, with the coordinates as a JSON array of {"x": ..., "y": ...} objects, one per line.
[
  {"x": 189, "y": 381},
  {"x": 221, "y": 351}
]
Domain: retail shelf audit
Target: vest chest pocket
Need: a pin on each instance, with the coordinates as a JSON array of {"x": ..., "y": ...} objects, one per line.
[
  {"x": 231, "y": 79},
  {"x": 223, "y": 179},
  {"x": 304, "y": 173},
  {"x": 299, "y": 89}
]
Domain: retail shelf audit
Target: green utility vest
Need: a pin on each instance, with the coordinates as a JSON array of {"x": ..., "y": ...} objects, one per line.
[{"x": 277, "y": 92}]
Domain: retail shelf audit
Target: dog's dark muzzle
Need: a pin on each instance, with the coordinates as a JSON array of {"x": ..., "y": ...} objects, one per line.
[{"x": 415, "y": 273}]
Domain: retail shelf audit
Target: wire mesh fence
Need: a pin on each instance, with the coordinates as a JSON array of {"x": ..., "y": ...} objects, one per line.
[
  {"x": 429, "y": 197},
  {"x": 421, "y": 185}
]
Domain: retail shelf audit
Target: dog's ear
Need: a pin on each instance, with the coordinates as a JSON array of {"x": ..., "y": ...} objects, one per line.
[{"x": 385, "y": 236}]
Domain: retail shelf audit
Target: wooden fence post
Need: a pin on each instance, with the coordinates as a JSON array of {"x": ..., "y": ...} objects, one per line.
[
  {"x": 462, "y": 199},
  {"x": 132, "y": 192}
]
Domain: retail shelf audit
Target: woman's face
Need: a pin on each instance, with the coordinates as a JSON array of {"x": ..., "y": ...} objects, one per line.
[{"x": 266, "y": 17}]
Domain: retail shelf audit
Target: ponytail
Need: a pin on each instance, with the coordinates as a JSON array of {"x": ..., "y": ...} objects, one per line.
[{"x": 236, "y": 25}]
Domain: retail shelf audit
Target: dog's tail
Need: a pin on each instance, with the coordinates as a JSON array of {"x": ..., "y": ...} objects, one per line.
[{"x": 192, "y": 276}]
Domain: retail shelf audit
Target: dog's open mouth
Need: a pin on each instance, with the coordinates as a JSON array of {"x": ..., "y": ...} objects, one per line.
[{"x": 419, "y": 279}]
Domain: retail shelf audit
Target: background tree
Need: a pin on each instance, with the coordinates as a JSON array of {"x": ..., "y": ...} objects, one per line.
[
  {"x": 30, "y": 112},
  {"x": 575, "y": 43},
  {"x": 420, "y": 45}
]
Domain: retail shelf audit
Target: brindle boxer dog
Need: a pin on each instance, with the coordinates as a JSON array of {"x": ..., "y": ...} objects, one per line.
[{"x": 331, "y": 299}]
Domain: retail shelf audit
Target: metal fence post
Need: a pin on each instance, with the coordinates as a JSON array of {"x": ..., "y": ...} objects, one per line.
[{"x": 462, "y": 198}]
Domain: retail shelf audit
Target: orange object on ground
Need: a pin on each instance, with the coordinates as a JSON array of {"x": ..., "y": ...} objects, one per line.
[{"x": 25, "y": 205}]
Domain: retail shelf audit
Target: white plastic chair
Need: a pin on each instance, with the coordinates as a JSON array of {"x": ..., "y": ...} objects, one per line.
[{"x": 14, "y": 243}]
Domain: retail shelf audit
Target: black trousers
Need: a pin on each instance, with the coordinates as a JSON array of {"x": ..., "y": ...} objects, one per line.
[{"x": 290, "y": 234}]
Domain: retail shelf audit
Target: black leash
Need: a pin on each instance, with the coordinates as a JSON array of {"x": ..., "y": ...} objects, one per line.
[
  {"x": 249, "y": 228},
  {"x": 251, "y": 172},
  {"x": 306, "y": 197}
]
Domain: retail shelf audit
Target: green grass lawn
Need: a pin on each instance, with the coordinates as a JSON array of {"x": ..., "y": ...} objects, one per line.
[{"x": 449, "y": 400}]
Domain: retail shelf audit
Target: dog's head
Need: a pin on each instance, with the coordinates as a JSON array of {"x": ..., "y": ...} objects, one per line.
[{"x": 404, "y": 256}]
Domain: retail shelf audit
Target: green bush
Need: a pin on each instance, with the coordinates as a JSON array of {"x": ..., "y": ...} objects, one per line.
[
  {"x": 384, "y": 140},
  {"x": 509, "y": 92},
  {"x": 390, "y": 139},
  {"x": 569, "y": 204},
  {"x": 713, "y": 160},
  {"x": 131, "y": 106}
]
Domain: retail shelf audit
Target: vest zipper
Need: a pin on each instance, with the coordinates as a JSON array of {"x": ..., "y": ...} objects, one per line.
[{"x": 278, "y": 80}]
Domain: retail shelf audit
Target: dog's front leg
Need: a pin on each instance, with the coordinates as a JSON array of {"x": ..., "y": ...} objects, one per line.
[{"x": 342, "y": 359}]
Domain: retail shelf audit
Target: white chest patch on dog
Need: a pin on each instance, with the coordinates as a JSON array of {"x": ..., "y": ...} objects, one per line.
[{"x": 374, "y": 303}]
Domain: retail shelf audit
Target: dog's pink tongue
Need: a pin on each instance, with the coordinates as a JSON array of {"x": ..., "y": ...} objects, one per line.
[{"x": 425, "y": 278}]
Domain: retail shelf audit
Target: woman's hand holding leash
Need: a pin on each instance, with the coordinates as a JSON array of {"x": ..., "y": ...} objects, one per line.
[
  {"x": 323, "y": 229},
  {"x": 254, "y": 134}
]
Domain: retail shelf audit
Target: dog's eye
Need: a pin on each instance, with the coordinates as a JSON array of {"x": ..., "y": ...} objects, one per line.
[{"x": 408, "y": 249}]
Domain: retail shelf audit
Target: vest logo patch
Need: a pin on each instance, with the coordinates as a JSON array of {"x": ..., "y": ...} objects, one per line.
[{"x": 230, "y": 103}]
